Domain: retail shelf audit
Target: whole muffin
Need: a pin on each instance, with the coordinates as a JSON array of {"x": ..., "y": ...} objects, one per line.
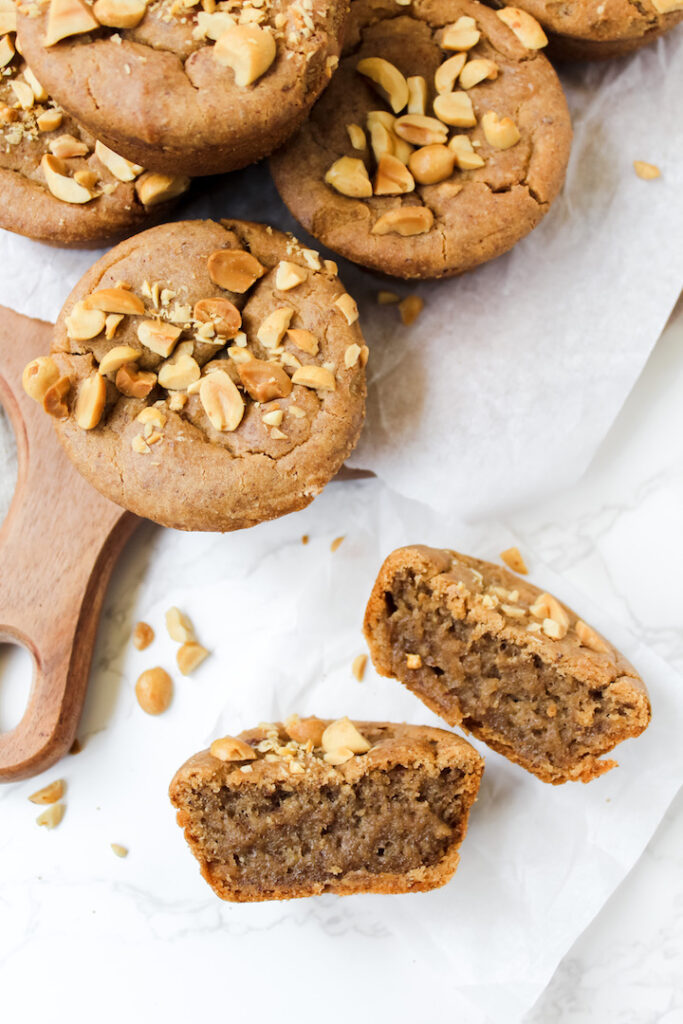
[
  {"x": 207, "y": 376},
  {"x": 180, "y": 86},
  {"x": 442, "y": 140},
  {"x": 58, "y": 184},
  {"x": 597, "y": 29}
]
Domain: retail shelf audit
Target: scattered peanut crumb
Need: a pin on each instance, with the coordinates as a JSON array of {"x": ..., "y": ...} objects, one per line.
[
  {"x": 388, "y": 298},
  {"x": 143, "y": 635},
  {"x": 49, "y": 794},
  {"x": 76, "y": 746},
  {"x": 410, "y": 309},
  {"x": 413, "y": 661},
  {"x": 358, "y": 666},
  {"x": 190, "y": 656},
  {"x": 646, "y": 171},
  {"x": 513, "y": 559},
  {"x": 337, "y": 542},
  {"x": 305, "y": 539},
  {"x": 120, "y": 851},
  {"x": 154, "y": 690},
  {"x": 179, "y": 626},
  {"x": 52, "y": 816}
]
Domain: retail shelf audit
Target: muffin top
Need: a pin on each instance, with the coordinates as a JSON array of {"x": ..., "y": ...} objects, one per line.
[
  {"x": 442, "y": 139},
  {"x": 210, "y": 376},
  {"x": 605, "y": 20}
]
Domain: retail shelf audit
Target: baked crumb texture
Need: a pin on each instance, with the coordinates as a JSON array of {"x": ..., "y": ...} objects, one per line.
[
  {"x": 286, "y": 823},
  {"x": 494, "y": 655},
  {"x": 442, "y": 139}
]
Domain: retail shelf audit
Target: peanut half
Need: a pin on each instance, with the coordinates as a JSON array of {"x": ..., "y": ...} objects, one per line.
[
  {"x": 387, "y": 79},
  {"x": 90, "y": 402},
  {"x": 525, "y": 27},
  {"x": 406, "y": 221},
  {"x": 234, "y": 269},
  {"x": 39, "y": 375},
  {"x": 349, "y": 177},
  {"x": 248, "y": 50},
  {"x": 221, "y": 400}
]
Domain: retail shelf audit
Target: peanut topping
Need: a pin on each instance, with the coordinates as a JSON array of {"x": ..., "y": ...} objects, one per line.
[
  {"x": 234, "y": 269},
  {"x": 410, "y": 308},
  {"x": 387, "y": 79},
  {"x": 154, "y": 691},
  {"x": 646, "y": 171},
  {"x": 413, "y": 661},
  {"x": 304, "y": 340},
  {"x": 431, "y": 164},
  {"x": 420, "y": 130},
  {"x": 406, "y": 221},
  {"x": 116, "y": 357},
  {"x": 417, "y": 94},
  {"x": 358, "y": 666},
  {"x": 667, "y": 6},
  {"x": 555, "y": 619},
  {"x": 349, "y": 177},
  {"x": 179, "y": 626},
  {"x": 134, "y": 383},
  {"x": 39, "y": 92},
  {"x": 49, "y": 120},
  {"x": 230, "y": 749},
  {"x": 90, "y": 402},
  {"x": 501, "y": 133},
  {"x": 305, "y": 730},
  {"x": 351, "y": 356},
  {"x": 513, "y": 559},
  {"x": 68, "y": 18},
  {"x": 343, "y": 734},
  {"x": 289, "y": 275},
  {"x": 381, "y": 135},
  {"x": 476, "y": 71},
  {"x": 114, "y": 300},
  {"x": 158, "y": 336},
  {"x": 178, "y": 372},
  {"x": 455, "y": 108},
  {"x": 466, "y": 158},
  {"x": 221, "y": 400},
  {"x": 8, "y": 17},
  {"x": 6, "y": 51},
  {"x": 143, "y": 635},
  {"x": 66, "y": 146},
  {"x": 25, "y": 98},
  {"x": 54, "y": 398},
  {"x": 346, "y": 305},
  {"x": 60, "y": 184},
  {"x": 190, "y": 656},
  {"x": 356, "y": 136},
  {"x": 121, "y": 168},
  {"x": 225, "y": 317},
  {"x": 392, "y": 178},
  {"x": 248, "y": 49},
  {"x": 339, "y": 756},
  {"x": 272, "y": 329},
  {"x": 525, "y": 27},
  {"x": 119, "y": 13},
  {"x": 264, "y": 381},
  {"x": 317, "y": 377},
  {"x": 446, "y": 73},
  {"x": 153, "y": 188},
  {"x": 39, "y": 375},
  {"x": 51, "y": 817},
  {"x": 590, "y": 638},
  {"x": 462, "y": 35},
  {"x": 49, "y": 794}
]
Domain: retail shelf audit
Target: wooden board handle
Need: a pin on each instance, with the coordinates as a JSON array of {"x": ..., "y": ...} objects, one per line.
[{"x": 58, "y": 546}]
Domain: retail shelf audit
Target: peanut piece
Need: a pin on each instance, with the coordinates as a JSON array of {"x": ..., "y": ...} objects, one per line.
[
  {"x": 387, "y": 79},
  {"x": 118, "y": 850},
  {"x": 305, "y": 730},
  {"x": 431, "y": 164},
  {"x": 501, "y": 133},
  {"x": 406, "y": 221},
  {"x": 124, "y": 170},
  {"x": 289, "y": 275},
  {"x": 8, "y": 17},
  {"x": 179, "y": 626},
  {"x": 49, "y": 794},
  {"x": 417, "y": 94},
  {"x": 356, "y": 136},
  {"x": 667, "y": 6},
  {"x": 343, "y": 733},
  {"x": 64, "y": 147},
  {"x": 466, "y": 158},
  {"x": 223, "y": 314},
  {"x": 392, "y": 178},
  {"x": 51, "y": 817},
  {"x": 455, "y": 108},
  {"x": 143, "y": 635},
  {"x": 248, "y": 49},
  {"x": 381, "y": 136},
  {"x": 39, "y": 375},
  {"x": 413, "y": 661},
  {"x": 349, "y": 177},
  {"x": 420, "y": 130},
  {"x": 317, "y": 377},
  {"x": 153, "y": 188},
  {"x": 513, "y": 559},
  {"x": 25, "y": 97},
  {"x": 339, "y": 756},
  {"x": 120, "y": 14},
  {"x": 347, "y": 306},
  {"x": 272, "y": 329},
  {"x": 351, "y": 355},
  {"x": 525, "y": 27},
  {"x": 264, "y": 381},
  {"x": 230, "y": 749},
  {"x": 50, "y": 120},
  {"x": 190, "y": 656},
  {"x": 646, "y": 171},
  {"x": 590, "y": 638},
  {"x": 476, "y": 71},
  {"x": 410, "y": 308},
  {"x": 461, "y": 35},
  {"x": 68, "y": 18},
  {"x": 134, "y": 383},
  {"x": 54, "y": 398},
  {"x": 159, "y": 336},
  {"x": 234, "y": 269},
  {"x": 90, "y": 402},
  {"x": 60, "y": 184},
  {"x": 221, "y": 400},
  {"x": 6, "y": 50},
  {"x": 446, "y": 74},
  {"x": 358, "y": 666},
  {"x": 304, "y": 340},
  {"x": 116, "y": 357},
  {"x": 114, "y": 300},
  {"x": 154, "y": 691},
  {"x": 178, "y": 372},
  {"x": 40, "y": 94}
]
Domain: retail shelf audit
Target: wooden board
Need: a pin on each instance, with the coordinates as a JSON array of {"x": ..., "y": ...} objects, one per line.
[{"x": 58, "y": 546}]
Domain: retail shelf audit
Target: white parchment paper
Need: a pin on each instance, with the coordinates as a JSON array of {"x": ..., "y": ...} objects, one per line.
[{"x": 504, "y": 387}]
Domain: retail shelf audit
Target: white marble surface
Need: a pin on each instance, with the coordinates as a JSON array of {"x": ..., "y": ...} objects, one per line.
[{"x": 142, "y": 935}]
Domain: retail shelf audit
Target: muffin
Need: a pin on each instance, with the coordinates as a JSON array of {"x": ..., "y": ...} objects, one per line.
[
  {"x": 184, "y": 87},
  {"x": 596, "y": 29},
  {"x": 206, "y": 375},
  {"x": 58, "y": 184},
  {"x": 442, "y": 140},
  {"x": 314, "y": 806},
  {"x": 510, "y": 664}
]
